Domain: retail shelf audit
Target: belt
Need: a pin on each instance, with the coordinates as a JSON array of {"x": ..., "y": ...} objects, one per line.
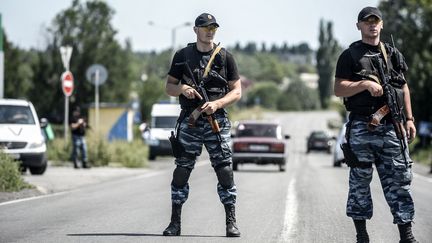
[
  {"x": 187, "y": 112},
  {"x": 357, "y": 117}
]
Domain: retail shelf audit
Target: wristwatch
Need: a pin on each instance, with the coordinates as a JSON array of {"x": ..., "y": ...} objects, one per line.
[{"x": 410, "y": 119}]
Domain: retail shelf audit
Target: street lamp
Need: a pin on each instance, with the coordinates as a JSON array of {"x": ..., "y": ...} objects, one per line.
[{"x": 173, "y": 33}]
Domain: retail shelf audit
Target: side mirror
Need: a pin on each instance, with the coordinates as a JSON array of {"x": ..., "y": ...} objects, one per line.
[
  {"x": 287, "y": 136},
  {"x": 43, "y": 122}
]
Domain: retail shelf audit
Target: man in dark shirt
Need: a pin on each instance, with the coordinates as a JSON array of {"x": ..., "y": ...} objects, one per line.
[
  {"x": 78, "y": 128},
  {"x": 222, "y": 85},
  {"x": 356, "y": 81}
]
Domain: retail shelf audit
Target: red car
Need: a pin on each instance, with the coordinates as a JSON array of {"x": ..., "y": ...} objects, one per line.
[{"x": 259, "y": 142}]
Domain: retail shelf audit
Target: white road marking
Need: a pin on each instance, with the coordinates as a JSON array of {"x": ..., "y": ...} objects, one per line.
[{"x": 291, "y": 205}]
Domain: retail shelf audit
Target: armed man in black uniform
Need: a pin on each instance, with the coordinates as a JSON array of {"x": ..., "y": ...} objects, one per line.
[
  {"x": 369, "y": 75},
  {"x": 205, "y": 78}
]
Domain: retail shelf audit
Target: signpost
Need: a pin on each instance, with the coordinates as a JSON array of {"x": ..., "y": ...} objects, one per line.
[
  {"x": 67, "y": 84},
  {"x": 97, "y": 75}
]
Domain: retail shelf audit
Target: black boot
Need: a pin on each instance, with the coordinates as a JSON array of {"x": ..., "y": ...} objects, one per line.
[
  {"x": 86, "y": 165},
  {"x": 362, "y": 235},
  {"x": 406, "y": 235},
  {"x": 231, "y": 226},
  {"x": 75, "y": 163},
  {"x": 173, "y": 228}
]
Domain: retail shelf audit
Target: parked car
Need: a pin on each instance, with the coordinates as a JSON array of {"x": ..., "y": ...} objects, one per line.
[
  {"x": 163, "y": 121},
  {"x": 259, "y": 142},
  {"x": 21, "y": 135},
  {"x": 338, "y": 157},
  {"x": 319, "y": 140}
]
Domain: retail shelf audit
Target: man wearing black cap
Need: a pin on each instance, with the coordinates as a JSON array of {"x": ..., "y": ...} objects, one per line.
[
  {"x": 214, "y": 69},
  {"x": 358, "y": 83}
]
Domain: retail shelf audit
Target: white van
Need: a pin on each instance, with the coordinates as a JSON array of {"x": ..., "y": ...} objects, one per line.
[
  {"x": 21, "y": 136},
  {"x": 163, "y": 121}
]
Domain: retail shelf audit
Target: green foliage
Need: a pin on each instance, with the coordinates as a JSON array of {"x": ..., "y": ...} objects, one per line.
[
  {"x": 132, "y": 155},
  {"x": 102, "y": 153},
  {"x": 87, "y": 28},
  {"x": 326, "y": 56},
  {"x": 265, "y": 94},
  {"x": 58, "y": 150},
  {"x": 18, "y": 70},
  {"x": 10, "y": 175},
  {"x": 98, "y": 152},
  {"x": 298, "y": 97},
  {"x": 409, "y": 23}
]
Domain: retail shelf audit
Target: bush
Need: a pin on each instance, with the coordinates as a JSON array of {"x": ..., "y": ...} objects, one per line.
[
  {"x": 10, "y": 175},
  {"x": 101, "y": 153},
  {"x": 132, "y": 155}
]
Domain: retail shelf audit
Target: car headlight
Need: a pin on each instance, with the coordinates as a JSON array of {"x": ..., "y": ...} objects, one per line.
[
  {"x": 37, "y": 144},
  {"x": 152, "y": 141}
]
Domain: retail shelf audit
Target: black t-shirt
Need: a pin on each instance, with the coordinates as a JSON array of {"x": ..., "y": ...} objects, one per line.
[
  {"x": 345, "y": 66},
  {"x": 199, "y": 60},
  {"x": 80, "y": 130}
]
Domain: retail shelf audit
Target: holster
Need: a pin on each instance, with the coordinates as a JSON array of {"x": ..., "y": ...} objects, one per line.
[
  {"x": 351, "y": 159},
  {"x": 176, "y": 146}
]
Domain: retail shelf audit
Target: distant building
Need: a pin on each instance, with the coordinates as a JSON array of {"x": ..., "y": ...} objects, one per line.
[{"x": 310, "y": 79}]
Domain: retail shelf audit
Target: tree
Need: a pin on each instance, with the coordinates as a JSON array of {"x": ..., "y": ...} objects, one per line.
[
  {"x": 18, "y": 71},
  {"x": 408, "y": 21},
  {"x": 87, "y": 28},
  {"x": 326, "y": 56},
  {"x": 265, "y": 94},
  {"x": 298, "y": 97}
]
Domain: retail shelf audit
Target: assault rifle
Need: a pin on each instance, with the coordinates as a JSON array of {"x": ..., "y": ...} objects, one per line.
[
  {"x": 391, "y": 106},
  {"x": 198, "y": 111}
]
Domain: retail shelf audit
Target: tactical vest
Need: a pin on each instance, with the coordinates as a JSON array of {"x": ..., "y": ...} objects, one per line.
[
  {"x": 364, "y": 103},
  {"x": 215, "y": 84}
]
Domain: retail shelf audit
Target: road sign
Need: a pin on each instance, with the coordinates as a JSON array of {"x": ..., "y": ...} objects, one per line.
[
  {"x": 97, "y": 74},
  {"x": 66, "y": 53},
  {"x": 67, "y": 83}
]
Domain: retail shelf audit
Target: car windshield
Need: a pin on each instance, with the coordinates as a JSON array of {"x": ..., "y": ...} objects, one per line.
[
  {"x": 319, "y": 135},
  {"x": 11, "y": 114},
  {"x": 258, "y": 130},
  {"x": 164, "y": 121}
]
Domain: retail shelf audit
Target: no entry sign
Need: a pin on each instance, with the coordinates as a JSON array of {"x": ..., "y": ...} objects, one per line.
[{"x": 67, "y": 83}]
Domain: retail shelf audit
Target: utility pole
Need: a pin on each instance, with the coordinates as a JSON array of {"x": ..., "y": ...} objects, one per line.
[{"x": 1, "y": 60}]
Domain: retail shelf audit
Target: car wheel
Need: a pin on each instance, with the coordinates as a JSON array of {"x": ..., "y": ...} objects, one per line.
[
  {"x": 307, "y": 150},
  {"x": 337, "y": 164},
  {"x": 235, "y": 166},
  {"x": 152, "y": 155},
  {"x": 329, "y": 150},
  {"x": 22, "y": 169},
  {"x": 38, "y": 170},
  {"x": 282, "y": 167}
]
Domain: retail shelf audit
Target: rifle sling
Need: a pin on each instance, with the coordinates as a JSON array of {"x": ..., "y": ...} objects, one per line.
[{"x": 207, "y": 68}]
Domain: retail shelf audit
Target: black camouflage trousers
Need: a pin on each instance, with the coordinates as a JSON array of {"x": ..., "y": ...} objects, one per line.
[
  {"x": 218, "y": 147},
  {"x": 382, "y": 148}
]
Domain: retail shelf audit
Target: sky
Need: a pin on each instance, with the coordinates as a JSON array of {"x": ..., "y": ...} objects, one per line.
[{"x": 241, "y": 21}]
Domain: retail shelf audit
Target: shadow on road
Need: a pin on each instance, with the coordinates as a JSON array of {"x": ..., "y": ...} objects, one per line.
[{"x": 143, "y": 234}]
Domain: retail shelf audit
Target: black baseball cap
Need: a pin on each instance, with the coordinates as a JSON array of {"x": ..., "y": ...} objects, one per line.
[
  {"x": 205, "y": 19},
  {"x": 367, "y": 12}
]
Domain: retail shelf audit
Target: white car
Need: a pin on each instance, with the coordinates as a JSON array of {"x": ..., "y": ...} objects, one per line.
[
  {"x": 21, "y": 135},
  {"x": 163, "y": 120},
  {"x": 338, "y": 157}
]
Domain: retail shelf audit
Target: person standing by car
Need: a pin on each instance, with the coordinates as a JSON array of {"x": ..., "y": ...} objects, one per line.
[
  {"x": 363, "y": 96},
  {"x": 78, "y": 129},
  {"x": 190, "y": 63}
]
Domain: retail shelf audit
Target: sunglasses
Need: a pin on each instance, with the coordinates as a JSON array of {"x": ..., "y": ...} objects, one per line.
[
  {"x": 371, "y": 20},
  {"x": 210, "y": 28}
]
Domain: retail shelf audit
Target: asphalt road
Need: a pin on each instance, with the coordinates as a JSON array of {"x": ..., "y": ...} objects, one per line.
[{"x": 304, "y": 204}]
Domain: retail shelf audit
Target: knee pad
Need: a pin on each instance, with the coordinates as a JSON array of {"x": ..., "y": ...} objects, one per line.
[
  {"x": 225, "y": 176},
  {"x": 180, "y": 176}
]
